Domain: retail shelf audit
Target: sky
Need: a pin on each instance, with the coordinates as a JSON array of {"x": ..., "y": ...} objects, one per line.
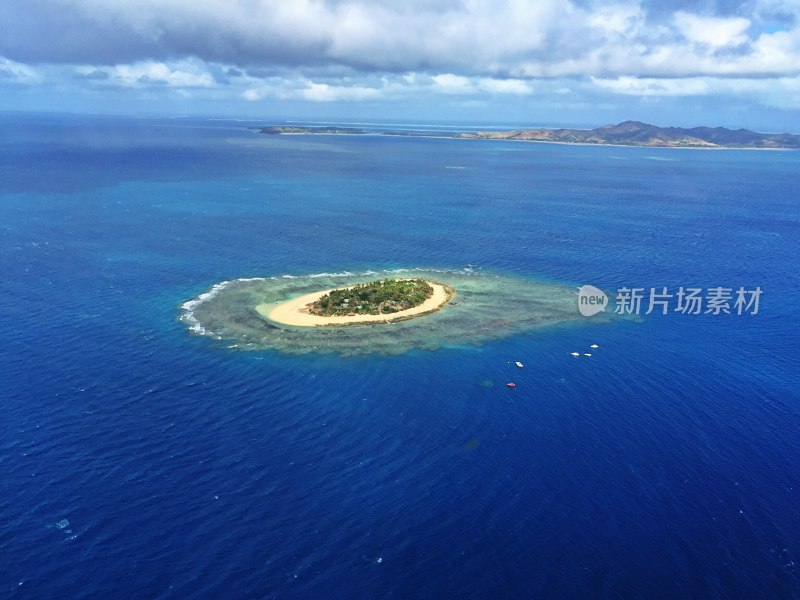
[{"x": 734, "y": 63}]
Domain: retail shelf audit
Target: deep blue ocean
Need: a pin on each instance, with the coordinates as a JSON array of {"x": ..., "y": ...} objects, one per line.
[{"x": 140, "y": 461}]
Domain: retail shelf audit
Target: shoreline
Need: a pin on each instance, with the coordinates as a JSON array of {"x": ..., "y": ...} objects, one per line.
[
  {"x": 531, "y": 141},
  {"x": 504, "y": 136},
  {"x": 295, "y": 312}
]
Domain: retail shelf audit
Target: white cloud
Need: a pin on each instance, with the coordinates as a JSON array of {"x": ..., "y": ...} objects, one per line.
[
  {"x": 505, "y": 86},
  {"x": 777, "y": 52},
  {"x": 396, "y": 87},
  {"x": 494, "y": 39},
  {"x": 618, "y": 20},
  {"x": 184, "y": 74},
  {"x": 649, "y": 86},
  {"x": 155, "y": 73},
  {"x": 452, "y": 84},
  {"x": 462, "y": 51},
  {"x": 780, "y": 92},
  {"x": 11, "y": 71},
  {"x": 301, "y": 88},
  {"x": 256, "y": 94},
  {"x": 322, "y": 92},
  {"x": 449, "y": 83},
  {"x": 713, "y": 31}
]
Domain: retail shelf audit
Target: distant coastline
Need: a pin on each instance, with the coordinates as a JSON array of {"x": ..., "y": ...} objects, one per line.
[{"x": 628, "y": 133}]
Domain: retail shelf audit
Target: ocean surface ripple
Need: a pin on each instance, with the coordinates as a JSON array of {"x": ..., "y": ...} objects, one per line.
[{"x": 138, "y": 461}]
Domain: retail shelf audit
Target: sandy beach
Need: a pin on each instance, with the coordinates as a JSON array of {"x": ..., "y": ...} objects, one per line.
[{"x": 295, "y": 312}]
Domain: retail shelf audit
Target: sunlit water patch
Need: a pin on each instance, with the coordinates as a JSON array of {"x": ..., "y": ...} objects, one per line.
[{"x": 486, "y": 306}]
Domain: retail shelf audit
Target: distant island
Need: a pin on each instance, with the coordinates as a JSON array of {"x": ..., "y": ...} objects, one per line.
[
  {"x": 634, "y": 133},
  {"x": 287, "y": 130},
  {"x": 628, "y": 133},
  {"x": 384, "y": 301}
]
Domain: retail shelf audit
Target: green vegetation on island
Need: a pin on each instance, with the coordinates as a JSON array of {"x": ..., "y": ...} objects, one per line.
[{"x": 375, "y": 298}]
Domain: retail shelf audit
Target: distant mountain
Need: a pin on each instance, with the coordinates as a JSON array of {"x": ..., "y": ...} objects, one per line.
[
  {"x": 629, "y": 133},
  {"x": 635, "y": 133}
]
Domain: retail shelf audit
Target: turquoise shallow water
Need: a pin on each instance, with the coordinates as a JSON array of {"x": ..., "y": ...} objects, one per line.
[
  {"x": 138, "y": 460},
  {"x": 484, "y": 306}
]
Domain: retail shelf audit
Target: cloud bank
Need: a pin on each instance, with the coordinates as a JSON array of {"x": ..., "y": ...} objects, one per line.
[{"x": 357, "y": 50}]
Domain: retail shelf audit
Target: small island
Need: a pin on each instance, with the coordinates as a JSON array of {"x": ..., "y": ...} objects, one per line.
[
  {"x": 383, "y": 301},
  {"x": 376, "y": 298},
  {"x": 289, "y": 130},
  {"x": 468, "y": 307}
]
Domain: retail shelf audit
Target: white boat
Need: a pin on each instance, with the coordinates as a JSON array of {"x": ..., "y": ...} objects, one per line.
[
  {"x": 594, "y": 346},
  {"x": 586, "y": 354},
  {"x": 519, "y": 364},
  {"x": 575, "y": 353}
]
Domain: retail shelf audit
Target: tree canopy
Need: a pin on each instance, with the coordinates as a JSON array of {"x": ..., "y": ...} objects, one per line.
[{"x": 381, "y": 297}]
